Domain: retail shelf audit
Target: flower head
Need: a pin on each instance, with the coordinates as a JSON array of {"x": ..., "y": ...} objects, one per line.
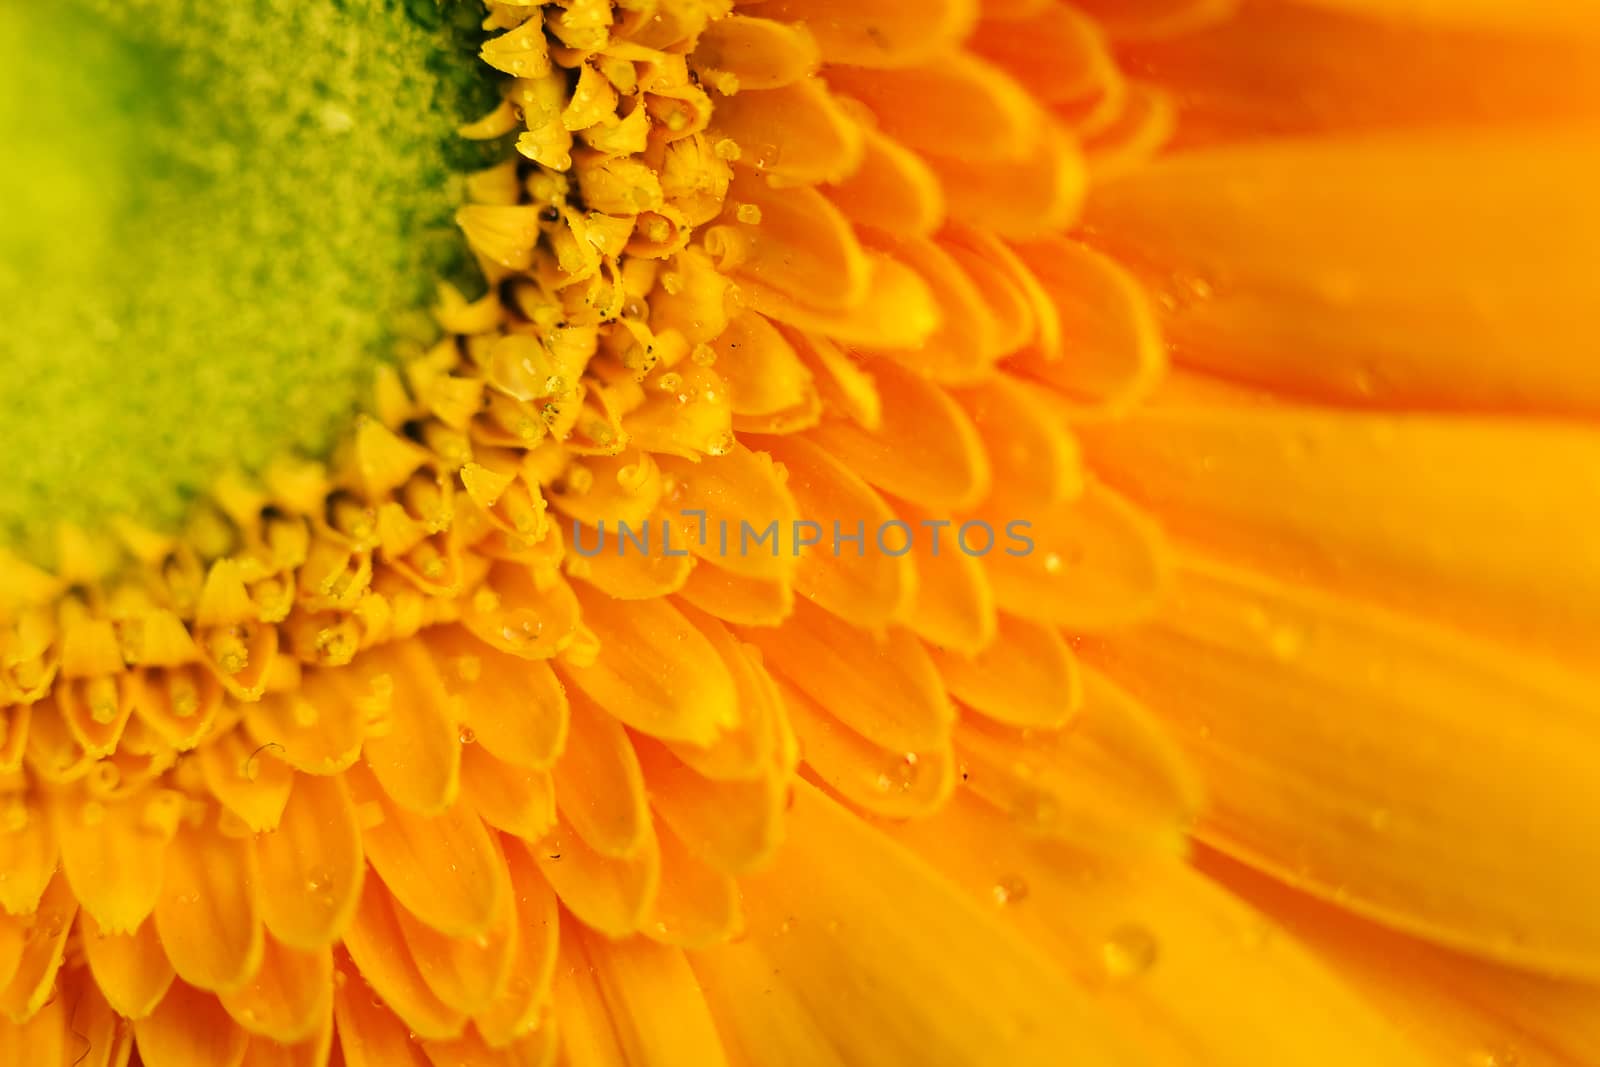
[{"x": 914, "y": 533}]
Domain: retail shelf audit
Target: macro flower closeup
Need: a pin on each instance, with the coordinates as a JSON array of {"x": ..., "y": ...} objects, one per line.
[{"x": 800, "y": 532}]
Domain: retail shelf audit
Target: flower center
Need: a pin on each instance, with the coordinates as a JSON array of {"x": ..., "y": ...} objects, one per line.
[{"x": 218, "y": 220}]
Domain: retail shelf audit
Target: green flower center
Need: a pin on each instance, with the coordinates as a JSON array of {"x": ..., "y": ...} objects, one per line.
[{"x": 216, "y": 218}]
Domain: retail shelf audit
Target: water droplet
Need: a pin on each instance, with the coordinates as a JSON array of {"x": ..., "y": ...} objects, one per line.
[
  {"x": 467, "y": 736},
  {"x": 1010, "y": 889},
  {"x": 1129, "y": 952},
  {"x": 899, "y": 776},
  {"x": 720, "y": 444}
]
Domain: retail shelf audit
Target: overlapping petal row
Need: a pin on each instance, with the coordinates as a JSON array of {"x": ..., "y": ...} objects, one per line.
[{"x": 372, "y": 764}]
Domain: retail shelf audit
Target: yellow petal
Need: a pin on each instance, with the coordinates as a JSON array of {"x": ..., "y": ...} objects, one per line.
[
  {"x": 131, "y": 970},
  {"x": 1296, "y": 263},
  {"x": 665, "y": 1019},
  {"x": 515, "y": 708},
  {"x": 207, "y": 913},
  {"x": 877, "y": 33},
  {"x": 113, "y": 853},
  {"x": 311, "y": 867},
  {"x": 369, "y": 1034},
  {"x": 797, "y": 133},
  {"x": 1161, "y": 951},
  {"x": 411, "y": 744},
  {"x": 444, "y": 869},
  {"x": 1374, "y": 791},
  {"x": 695, "y": 905},
  {"x": 1091, "y": 564},
  {"x": 1465, "y": 519},
  {"x": 533, "y": 965},
  {"x": 28, "y": 851},
  {"x": 894, "y": 783},
  {"x": 1461, "y": 1009},
  {"x": 925, "y": 449},
  {"x": 865, "y": 585},
  {"x": 246, "y": 778},
  {"x": 44, "y": 940},
  {"x": 883, "y": 686},
  {"x": 846, "y": 911},
  {"x": 609, "y": 895},
  {"x": 190, "y": 1029},
  {"x": 466, "y": 973},
  {"x": 290, "y": 997},
  {"x": 655, "y": 670},
  {"x": 599, "y": 785},
  {"x": 513, "y": 799},
  {"x": 1027, "y": 676},
  {"x": 376, "y": 943},
  {"x": 732, "y": 825}
]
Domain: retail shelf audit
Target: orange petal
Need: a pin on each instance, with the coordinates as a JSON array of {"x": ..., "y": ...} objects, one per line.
[
  {"x": 944, "y": 972},
  {"x": 444, "y": 869},
  {"x": 870, "y": 587},
  {"x": 131, "y": 970},
  {"x": 28, "y": 853},
  {"x": 488, "y": 684},
  {"x": 290, "y": 997},
  {"x": 190, "y": 1029},
  {"x": 953, "y": 606},
  {"x": 311, "y": 867},
  {"x": 884, "y": 686},
  {"x": 892, "y": 189},
  {"x": 466, "y": 973},
  {"x": 666, "y": 1017},
  {"x": 695, "y": 905},
  {"x": 1027, "y": 676},
  {"x": 1449, "y": 271},
  {"x": 517, "y": 800},
  {"x": 609, "y": 895},
  {"x": 796, "y": 134},
  {"x": 760, "y": 52},
  {"x": 1468, "y": 520},
  {"x": 114, "y": 853},
  {"x": 878, "y": 33},
  {"x": 732, "y": 825},
  {"x": 44, "y": 941},
  {"x": 893, "y": 783},
  {"x": 655, "y": 671},
  {"x": 534, "y": 960},
  {"x": 369, "y": 1034},
  {"x": 207, "y": 913},
  {"x": 246, "y": 778},
  {"x": 1113, "y": 351},
  {"x": 411, "y": 741},
  {"x": 1092, "y": 564},
  {"x": 376, "y": 943},
  {"x": 737, "y": 490},
  {"x": 599, "y": 785},
  {"x": 1373, "y": 791},
  {"x": 925, "y": 449}
]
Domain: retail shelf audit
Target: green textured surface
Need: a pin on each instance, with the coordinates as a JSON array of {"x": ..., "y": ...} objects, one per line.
[{"x": 215, "y": 218}]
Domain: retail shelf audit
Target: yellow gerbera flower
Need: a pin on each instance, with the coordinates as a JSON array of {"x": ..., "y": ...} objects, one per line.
[{"x": 1019, "y": 532}]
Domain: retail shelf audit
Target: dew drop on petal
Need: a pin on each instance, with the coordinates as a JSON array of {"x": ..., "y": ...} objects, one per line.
[
  {"x": 1128, "y": 952},
  {"x": 1010, "y": 889}
]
